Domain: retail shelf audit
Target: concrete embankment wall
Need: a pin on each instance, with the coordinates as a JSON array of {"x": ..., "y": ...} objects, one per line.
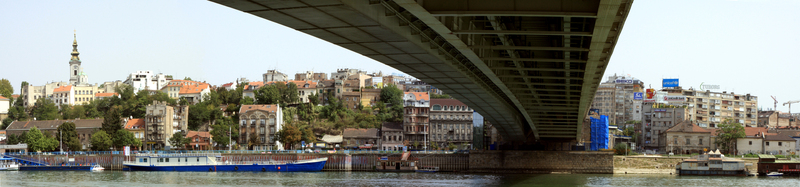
[{"x": 541, "y": 161}]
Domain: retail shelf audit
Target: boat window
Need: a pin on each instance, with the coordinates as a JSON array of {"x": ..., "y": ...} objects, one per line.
[
  {"x": 145, "y": 159},
  {"x": 160, "y": 159},
  {"x": 198, "y": 159},
  {"x": 179, "y": 159},
  {"x": 186, "y": 159},
  {"x": 166, "y": 159}
]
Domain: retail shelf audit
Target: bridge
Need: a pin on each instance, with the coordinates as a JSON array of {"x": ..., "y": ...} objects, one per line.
[{"x": 530, "y": 67}]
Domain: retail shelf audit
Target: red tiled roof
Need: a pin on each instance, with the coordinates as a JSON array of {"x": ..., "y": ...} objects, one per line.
[
  {"x": 360, "y": 133},
  {"x": 63, "y": 89},
  {"x": 197, "y": 133},
  {"x": 3, "y": 98},
  {"x": 136, "y": 122},
  {"x": 256, "y": 84},
  {"x": 269, "y": 108},
  {"x": 420, "y": 95},
  {"x": 754, "y": 131},
  {"x": 192, "y": 89},
  {"x": 105, "y": 94},
  {"x": 15, "y": 96},
  {"x": 447, "y": 102},
  {"x": 227, "y": 85}
]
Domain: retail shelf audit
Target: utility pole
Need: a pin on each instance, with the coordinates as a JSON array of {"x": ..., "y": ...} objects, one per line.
[
  {"x": 230, "y": 141},
  {"x": 61, "y": 142}
]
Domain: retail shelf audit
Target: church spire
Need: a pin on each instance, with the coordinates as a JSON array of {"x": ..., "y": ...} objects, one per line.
[{"x": 75, "y": 52}]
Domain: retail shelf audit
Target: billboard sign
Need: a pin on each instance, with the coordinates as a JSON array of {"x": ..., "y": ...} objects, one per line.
[
  {"x": 669, "y": 83},
  {"x": 675, "y": 98},
  {"x": 650, "y": 95},
  {"x": 638, "y": 95},
  {"x": 623, "y": 81}
]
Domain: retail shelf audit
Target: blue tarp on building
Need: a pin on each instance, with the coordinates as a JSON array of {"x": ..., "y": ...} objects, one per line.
[{"x": 599, "y": 136}]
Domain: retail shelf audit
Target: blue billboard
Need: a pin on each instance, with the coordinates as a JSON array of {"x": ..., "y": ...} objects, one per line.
[
  {"x": 669, "y": 83},
  {"x": 638, "y": 95}
]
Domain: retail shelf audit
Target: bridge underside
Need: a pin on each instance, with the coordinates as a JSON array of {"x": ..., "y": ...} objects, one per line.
[{"x": 530, "y": 67}]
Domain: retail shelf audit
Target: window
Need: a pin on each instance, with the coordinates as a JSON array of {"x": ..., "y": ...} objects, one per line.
[
  {"x": 700, "y": 142},
  {"x": 767, "y": 143},
  {"x": 780, "y": 143},
  {"x": 751, "y": 142}
]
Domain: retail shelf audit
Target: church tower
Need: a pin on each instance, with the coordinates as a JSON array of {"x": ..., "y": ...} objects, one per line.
[{"x": 75, "y": 71}]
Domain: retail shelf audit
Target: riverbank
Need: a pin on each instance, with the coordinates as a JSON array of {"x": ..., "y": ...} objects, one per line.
[{"x": 657, "y": 164}]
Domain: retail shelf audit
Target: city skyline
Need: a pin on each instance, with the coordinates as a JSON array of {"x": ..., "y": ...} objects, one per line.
[{"x": 710, "y": 42}]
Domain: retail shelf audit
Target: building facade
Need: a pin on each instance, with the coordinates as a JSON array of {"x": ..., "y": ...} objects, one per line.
[
  {"x": 310, "y": 76},
  {"x": 192, "y": 91},
  {"x": 362, "y": 139},
  {"x": 275, "y": 76},
  {"x": 83, "y": 128},
  {"x": 392, "y": 136},
  {"x": 614, "y": 98},
  {"x": 686, "y": 138},
  {"x": 158, "y": 125},
  {"x": 199, "y": 140},
  {"x": 657, "y": 118},
  {"x": 451, "y": 123},
  {"x": 137, "y": 127},
  {"x": 147, "y": 80},
  {"x": 258, "y": 125},
  {"x": 416, "y": 106},
  {"x": 709, "y": 109}
]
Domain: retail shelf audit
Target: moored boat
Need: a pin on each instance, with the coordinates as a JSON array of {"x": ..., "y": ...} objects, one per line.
[
  {"x": 213, "y": 162},
  {"x": 774, "y": 174},
  {"x": 8, "y": 164},
  {"x": 97, "y": 168},
  {"x": 427, "y": 169},
  {"x": 712, "y": 164}
]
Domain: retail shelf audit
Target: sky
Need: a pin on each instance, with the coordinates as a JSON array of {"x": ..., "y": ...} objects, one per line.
[{"x": 744, "y": 46}]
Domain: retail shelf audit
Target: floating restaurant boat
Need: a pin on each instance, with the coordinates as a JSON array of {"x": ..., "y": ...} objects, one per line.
[
  {"x": 712, "y": 163},
  {"x": 213, "y": 162},
  {"x": 427, "y": 169},
  {"x": 97, "y": 168}
]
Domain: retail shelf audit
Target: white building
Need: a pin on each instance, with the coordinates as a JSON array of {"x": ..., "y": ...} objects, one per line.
[
  {"x": 5, "y": 103},
  {"x": 192, "y": 91},
  {"x": 275, "y": 75},
  {"x": 64, "y": 95},
  {"x": 146, "y": 80}
]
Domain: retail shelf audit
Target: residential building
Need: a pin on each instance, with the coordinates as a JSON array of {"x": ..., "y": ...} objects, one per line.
[
  {"x": 415, "y": 121},
  {"x": 192, "y": 91},
  {"x": 773, "y": 119},
  {"x": 159, "y": 125},
  {"x": 199, "y": 140},
  {"x": 229, "y": 86},
  {"x": 330, "y": 141},
  {"x": 83, "y": 128},
  {"x": 450, "y": 122},
  {"x": 310, "y": 76},
  {"x": 111, "y": 86},
  {"x": 84, "y": 94},
  {"x": 5, "y": 104},
  {"x": 709, "y": 109},
  {"x": 30, "y": 93},
  {"x": 614, "y": 98},
  {"x": 753, "y": 141},
  {"x": 778, "y": 144},
  {"x": 361, "y": 138},
  {"x": 180, "y": 119},
  {"x": 342, "y": 74},
  {"x": 275, "y": 76},
  {"x": 147, "y": 80},
  {"x": 370, "y": 97},
  {"x": 351, "y": 100},
  {"x": 258, "y": 126},
  {"x": 64, "y": 95},
  {"x": 393, "y": 79},
  {"x": 686, "y": 138},
  {"x": 657, "y": 119},
  {"x": 137, "y": 127},
  {"x": 249, "y": 89},
  {"x": 392, "y": 136},
  {"x": 305, "y": 89},
  {"x": 416, "y": 85}
]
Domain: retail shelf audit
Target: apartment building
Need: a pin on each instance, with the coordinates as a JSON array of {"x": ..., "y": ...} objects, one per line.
[
  {"x": 415, "y": 121},
  {"x": 158, "y": 125},
  {"x": 615, "y": 98},
  {"x": 147, "y": 80},
  {"x": 274, "y": 75},
  {"x": 258, "y": 126},
  {"x": 709, "y": 109},
  {"x": 657, "y": 119},
  {"x": 451, "y": 123}
]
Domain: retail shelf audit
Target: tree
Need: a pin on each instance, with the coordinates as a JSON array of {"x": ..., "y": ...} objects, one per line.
[
  {"x": 451, "y": 146},
  {"x": 435, "y": 146},
  {"x": 12, "y": 139},
  {"x": 125, "y": 138},
  {"x": 112, "y": 122},
  {"x": 393, "y": 96},
  {"x": 268, "y": 94},
  {"x": 621, "y": 148},
  {"x": 38, "y": 142},
  {"x": 5, "y": 88},
  {"x": 6, "y": 123},
  {"x": 289, "y": 135},
  {"x": 101, "y": 141},
  {"x": 289, "y": 94},
  {"x": 69, "y": 137},
  {"x": 628, "y": 131},
  {"x": 179, "y": 139},
  {"x": 313, "y": 98},
  {"x": 187, "y": 78},
  {"x": 728, "y": 133},
  {"x": 45, "y": 109},
  {"x": 308, "y": 136},
  {"x": 416, "y": 144},
  {"x": 225, "y": 131}
]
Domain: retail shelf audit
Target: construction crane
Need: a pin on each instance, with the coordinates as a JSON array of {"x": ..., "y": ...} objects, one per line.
[
  {"x": 790, "y": 110},
  {"x": 776, "y": 103}
]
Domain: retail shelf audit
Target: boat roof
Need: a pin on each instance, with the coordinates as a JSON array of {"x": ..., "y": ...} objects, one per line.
[{"x": 6, "y": 159}]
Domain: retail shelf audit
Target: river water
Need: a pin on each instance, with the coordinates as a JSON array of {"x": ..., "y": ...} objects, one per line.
[{"x": 130, "y": 179}]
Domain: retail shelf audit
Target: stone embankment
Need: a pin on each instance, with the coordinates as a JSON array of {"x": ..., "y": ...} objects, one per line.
[{"x": 657, "y": 164}]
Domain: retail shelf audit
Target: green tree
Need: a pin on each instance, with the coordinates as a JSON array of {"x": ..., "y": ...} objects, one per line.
[
  {"x": 308, "y": 136},
  {"x": 12, "y": 139},
  {"x": 6, "y": 123},
  {"x": 451, "y": 146},
  {"x": 17, "y": 111},
  {"x": 179, "y": 140},
  {"x": 45, "y": 109},
  {"x": 101, "y": 141},
  {"x": 415, "y": 144},
  {"x": 69, "y": 137},
  {"x": 5, "y": 88},
  {"x": 187, "y": 78},
  {"x": 65, "y": 111},
  {"x": 289, "y": 135},
  {"x": 112, "y": 122},
  {"x": 435, "y": 146},
  {"x": 628, "y": 131},
  {"x": 728, "y": 133},
  {"x": 38, "y": 142},
  {"x": 225, "y": 131},
  {"x": 621, "y": 148},
  {"x": 394, "y": 97},
  {"x": 289, "y": 94},
  {"x": 313, "y": 98},
  {"x": 267, "y": 94},
  {"x": 23, "y": 137},
  {"x": 124, "y": 138}
]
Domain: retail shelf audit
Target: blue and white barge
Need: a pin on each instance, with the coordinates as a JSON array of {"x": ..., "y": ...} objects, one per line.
[{"x": 214, "y": 163}]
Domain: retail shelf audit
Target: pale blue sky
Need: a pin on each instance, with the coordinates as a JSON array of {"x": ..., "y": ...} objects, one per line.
[{"x": 743, "y": 46}]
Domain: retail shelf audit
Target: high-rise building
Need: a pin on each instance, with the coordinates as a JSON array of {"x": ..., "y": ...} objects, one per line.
[
  {"x": 615, "y": 98},
  {"x": 415, "y": 121}
]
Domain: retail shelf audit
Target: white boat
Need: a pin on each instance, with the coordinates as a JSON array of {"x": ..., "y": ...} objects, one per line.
[
  {"x": 8, "y": 164},
  {"x": 774, "y": 174},
  {"x": 97, "y": 168}
]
